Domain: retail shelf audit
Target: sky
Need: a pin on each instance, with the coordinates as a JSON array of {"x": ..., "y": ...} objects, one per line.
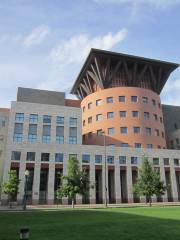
[{"x": 43, "y": 43}]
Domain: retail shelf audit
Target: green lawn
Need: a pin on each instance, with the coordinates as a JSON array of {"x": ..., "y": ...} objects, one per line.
[{"x": 94, "y": 224}]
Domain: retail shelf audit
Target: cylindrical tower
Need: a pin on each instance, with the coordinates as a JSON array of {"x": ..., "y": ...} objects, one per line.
[{"x": 120, "y": 97}]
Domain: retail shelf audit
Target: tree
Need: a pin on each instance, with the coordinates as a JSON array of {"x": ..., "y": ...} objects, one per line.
[
  {"x": 76, "y": 182},
  {"x": 10, "y": 187},
  {"x": 149, "y": 182}
]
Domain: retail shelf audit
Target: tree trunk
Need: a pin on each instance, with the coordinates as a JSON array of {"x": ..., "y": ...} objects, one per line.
[
  {"x": 72, "y": 202},
  {"x": 150, "y": 201}
]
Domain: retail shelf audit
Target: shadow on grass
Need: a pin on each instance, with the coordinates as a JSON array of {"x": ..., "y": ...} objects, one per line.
[{"x": 96, "y": 224}]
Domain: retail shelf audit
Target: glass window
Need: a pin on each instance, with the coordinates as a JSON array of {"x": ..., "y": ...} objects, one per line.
[
  {"x": 84, "y": 109},
  {"x": 89, "y": 119},
  {"x": 177, "y": 140},
  {"x": 90, "y": 105},
  {"x": 99, "y": 132},
  {"x": 30, "y": 156},
  {"x": 46, "y": 139},
  {"x": 135, "y": 114},
  {"x": 148, "y": 131},
  {"x": 136, "y": 130},
  {"x": 60, "y": 139},
  {"x": 19, "y": 117},
  {"x": 18, "y": 128},
  {"x": 144, "y": 99},
  {"x": 161, "y": 120},
  {"x": 133, "y": 98},
  {"x": 134, "y": 160},
  {"x": 45, "y": 157},
  {"x": 166, "y": 161},
  {"x": 149, "y": 145},
  {"x": 73, "y": 131},
  {"x": 72, "y": 156},
  {"x": 98, "y": 102},
  {"x": 122, "y": 98},
  {"x": 109, "y": 99},
  {"x": 72, "y": 140},
  {"x": 99, "y": 117},
  {"x": 59, "y": 120},
  {"x": 155, "y": 161},
  {"x": 176, "y": 161},
  {"x": 33, "y": 118},
  {"x": 32, "y": 138},
  {"x": 122, "y": 114},
  {"x": 84, "y": 122},
  {"x": 32, "y": 129},
  {"x": 124, "y": 145},
  {"x": 162, "y": 134},
  {"x": 137, "y": 145},
  {"x": 153, "y": 102},
  {"x": 156, "y": 132},
  {"x": 73, "y": 122},
  {"x": 122, "y": 159},
  {"x": 146, "y": 115},
  {"x": 123, "y": 130},
  {"x": 110, "y": 159},
  {"x": 46, "y": 134},
  {"x": 46, "y": 119},
  {"x": 18, "y": 138},
  {"x": 155, "y": 117},
  {"x": 98, "y": 158},
  {"x": 110, "y": 115},
  {"x": 59, "y": 157},
  {"x": 110, "y": 131},
  {"x": 85, "y": 158},
  {"x": 60, "y": 131},
  {"x": 15, "y": 155}
]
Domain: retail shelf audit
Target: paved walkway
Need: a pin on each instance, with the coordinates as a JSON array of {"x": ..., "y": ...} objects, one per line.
[{"x": 46, "y": 207}]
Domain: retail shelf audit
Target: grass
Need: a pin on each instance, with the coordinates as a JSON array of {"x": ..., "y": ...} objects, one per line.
[{"x": 94, "y": 224}]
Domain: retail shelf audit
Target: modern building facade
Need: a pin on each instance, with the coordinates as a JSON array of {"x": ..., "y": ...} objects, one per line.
[{"x": 118, "y": 119}]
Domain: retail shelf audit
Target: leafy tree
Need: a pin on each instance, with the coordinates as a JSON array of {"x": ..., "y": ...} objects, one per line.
[
  {"x": 149, "y": 182},
  {"x": 76, "y": 182},
  {"x": 10, "y": 187}
]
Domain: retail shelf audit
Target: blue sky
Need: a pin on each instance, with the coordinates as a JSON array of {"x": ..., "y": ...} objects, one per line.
[{"x": 43, "y": 43}]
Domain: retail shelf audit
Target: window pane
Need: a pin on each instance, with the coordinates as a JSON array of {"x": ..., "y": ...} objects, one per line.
[
  {"x": 73, "y": 122},
  {"x": 99, "y": 117},
  {"x": 156, "y": 161},
  {"x": 133, "y": 98},
  {"x": 134, "y": 160},
  {"x": 122, "y": 98},
  {"x": 123, "y": 130},
  {"x": 30, "y": 156},
  {"x": 98, "y": 102},
  {"x": 122, "y": 159},
  {"x": 109, "y": 99},
  {"x": 137, "y": 145},
  {"x": 110, "y": 131},
  {"x": 110, "y": 114},
  {"x": 135, "y": 114},
  {"x": 45, "y": 157},
  {"x": 98, "y": 158},
  {"x": 19, "y": 117},
  {"x": 59, "y": 120},
  {"x": 32, "y": 129},
  {"x": 136, "y": 129},
  {"x": 59, "y": 139},
  {"x": 18, "y": 128},
  {"x": 122, "y": 114},
  {"x": 46, "y": 130},
  {"x": 59, "y": 131},
  {"x": 144, "y": 99},
  {"x": 46, "y": 119},
  {"x": 146, "y": 115},
  {"x": 110, "y": 159},
  {"x": 85, "y": 158},
  {"x": 72, "y": 140},
  {"x": 33, "y": 118},
  {"x": 59, "y": 157},
  {"x": 16, "y": 156}
]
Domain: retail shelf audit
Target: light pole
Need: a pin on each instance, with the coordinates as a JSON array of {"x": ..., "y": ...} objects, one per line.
[
  {"x": 105, "y": 168},
  {"x": 25, "y": 189}
]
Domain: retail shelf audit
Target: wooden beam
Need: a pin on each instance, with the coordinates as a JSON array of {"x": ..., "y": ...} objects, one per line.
[
  {"x": 89, "y": 83},
  {"x": 143, "y": 71},
  {"x": 85, "y": 89},
  {"x": 91, "y": 74},
  {"x": 126, "y": 71},
  {"x": 80, "y": 88},
  {"x": 153, "y": 78},
  {"x": 85, "y": 83},
  {"x": 98, "y": 66},
  {"x": 108, "y": 64},
  {"x": 79, "y": 94},
  {"x": 115, "y": 71}
]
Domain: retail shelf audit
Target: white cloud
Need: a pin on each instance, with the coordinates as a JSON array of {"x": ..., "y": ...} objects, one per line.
[
  {"x": 170, "y": 94},
  {"x": 155, "y": 3},
  {"x": 36, "y": 36},
  {"x": 76, "y": 49}
]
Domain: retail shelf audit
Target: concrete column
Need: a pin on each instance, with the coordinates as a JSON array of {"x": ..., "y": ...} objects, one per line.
[
  {"x": 117, "y": 183},
  {"x": 129, "y": 182},
  {"x": 163, "y": 178},
  {"x": 92, "y": 190},
  {"x": 103, "y": 181},
  {"x": 22, "y": 169},
  {"x": 36, "y": 183},
  {"x": 173, "y": 181},
  {"x": 51, "y": 175},
  {"x": 65, "y": 199}
]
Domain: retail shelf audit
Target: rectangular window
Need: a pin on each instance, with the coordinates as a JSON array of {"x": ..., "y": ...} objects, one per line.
[
  {"x": 110, "y": 159},
  {"x": 18, "y": 132},
  {"x": 15, "y": 155},
  {"x": 156, "y": 132},
  {"x": 155, "y": 161},
  {"x": 85, "y": 158},
  {"x": 60, "y": 120},
  {"x": 30, "y": 156},
  {"x": 90, "y": 105},
  {"x": 136, "y": 130},
  {"x": 45, "y": 157},
  {"x": 98, "y": 102},
  {"x": 177, "y": 140},
  {"x": 47, "y": 119},
  {"x": 135, "y": 114},
  {"x": 89, "y": 119},
  {"x": 73, "y": 135},
  {"x": 161, "y": 120},
  {"x": 144, "y": 99},
  {"x": 166, "y": 161},
  {"x": 122, "y": 114},
  {"x": 176, "y": 161},
  {"x": 32, "y": 129},
  {"x": 99, "y": 117},
  {"x": 32, "y": 138},
  {"x": 110, "y": 115},
  {"x": 134, "y": 160},
  {"x": 46, "y": 139},
  {"x": 122, "y": 159},
  {"x": 99, "y": 132},
  {"x": 155, "y": 117},
  {"x": 59, "y": 134},
  {"x": 19, "y": 117},
  {"x": 109, "y": 99},
  {"x": 148, "y": 131},
  {"x": 72, "y": 140},
  {"x": 124, "y": 145},
  {"x": 123, "y": 130},
  {"x": 122, "y": 98},
  {"x": 149, "y": 146},
  {"x": 59, "y": 157},
  {"x": 134, "y": 99},
  {"x": 73, "y": 122},
  {"x": 110, "y": 131},
  {"x": 98, "y": 158},
  {"x": 84, "y": 108},
  {"x": 137, "y": 145},
  {"x": 60, "y": 139},
  {"x": 33, "y": 118},
  {"x": 46, "y": 134},
  {"x": 146, "y": 115},
  {"x": 153, "y": 102},
  {"x": 162, "y": 134},
  {"x": 72, "y": 156}
]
